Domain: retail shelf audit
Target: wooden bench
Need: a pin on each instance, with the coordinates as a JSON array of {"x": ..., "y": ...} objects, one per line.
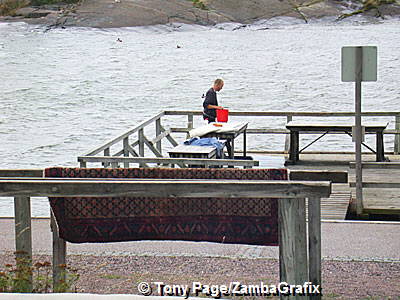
[
  {"x": 189, "y": 151},
  {"x": 296, "y": 127}
]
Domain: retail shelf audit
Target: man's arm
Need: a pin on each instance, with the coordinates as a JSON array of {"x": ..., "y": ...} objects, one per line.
[
  {"x": 214, "y": 107},
  {"x": 211, "y": 101}
]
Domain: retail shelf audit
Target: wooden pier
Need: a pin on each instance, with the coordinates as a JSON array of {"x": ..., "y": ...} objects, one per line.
[{"x": 148, "y": 142}]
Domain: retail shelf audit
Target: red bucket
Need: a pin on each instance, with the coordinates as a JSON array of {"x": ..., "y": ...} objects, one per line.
[{"x": 222, "y": 115}]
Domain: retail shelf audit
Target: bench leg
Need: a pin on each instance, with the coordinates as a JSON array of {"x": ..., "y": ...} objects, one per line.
[
  {"x": 294, "y": 147},
  {"x": 380, "y": 151}
]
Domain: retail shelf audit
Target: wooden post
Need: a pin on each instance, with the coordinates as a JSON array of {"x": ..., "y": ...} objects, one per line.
[
  {"x": 158, "y": 132},
  {"x": 126, "y": 151},
  {"x": 397, "y": 136},
  {"x": 314, "y": 243},
  {"x": 287, "y": 139},
  {"x": 189, "y": 124},
  {"x": 358, "y": 130},
  {"x": 141, "y": 145},
  {"x": 106, "y": 153},
  {"x": 23, "y": 235},
  {"x": 59, "y": 255},
  {"x": 292, "y": 244},
  {"x": 301, "y": 241}
]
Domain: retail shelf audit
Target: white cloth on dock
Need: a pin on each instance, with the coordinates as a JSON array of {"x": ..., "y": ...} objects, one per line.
[{"x": 221, "y": 127}]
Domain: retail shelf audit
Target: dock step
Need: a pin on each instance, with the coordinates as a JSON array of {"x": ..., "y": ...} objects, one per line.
[{"x": 334, "y": 207}]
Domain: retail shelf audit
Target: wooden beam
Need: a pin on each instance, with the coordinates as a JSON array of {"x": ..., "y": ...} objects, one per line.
[
  {"x": 106, "y": 153},
  {"x": 163, "y": 188},
  {"x": 21, "y": 173},
  {"x": 285, "y": 113},
  {"x": 170, "y": 138},
  {"x": 292, "y": 244},
  {"x": 316, "y": 175},
  {"x": 126, "y": 150},
  {"x": 378, "y": 185},
  {"x": 377, "y": 165},
  {"x": 141, "y": 144},
  {"x": 158, "y": 134},
  {"x": 397, "y": 137},
  {"x": 151, "y": 147},
  {"x": 314, "y": 242},
  {"x": 59, "y": 256},
  {"x": 159, "y": 137},
  {"x": 23, "y": 235}
]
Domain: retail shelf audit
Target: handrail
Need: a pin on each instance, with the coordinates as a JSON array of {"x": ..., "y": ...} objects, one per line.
[
  {"x": 104, "y": 187},
  {"x": 124, "y": 135},
  {"x": 154, "y": 143},
  {"x": 287, "y": 113}
]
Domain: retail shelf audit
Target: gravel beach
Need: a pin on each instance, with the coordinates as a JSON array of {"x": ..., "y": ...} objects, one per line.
[{"x": 121, "y": 274}]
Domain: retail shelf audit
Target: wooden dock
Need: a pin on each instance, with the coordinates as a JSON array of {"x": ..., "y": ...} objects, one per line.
[
  {"x": 147, "y": 143},
  {"x": 381, "y": 192}
]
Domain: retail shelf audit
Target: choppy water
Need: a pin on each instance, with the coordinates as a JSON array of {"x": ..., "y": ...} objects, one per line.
[{"x": 66, "y": 91}]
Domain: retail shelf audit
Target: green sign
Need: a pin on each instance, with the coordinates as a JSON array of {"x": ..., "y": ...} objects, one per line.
[{"x": 369, "y": 63}]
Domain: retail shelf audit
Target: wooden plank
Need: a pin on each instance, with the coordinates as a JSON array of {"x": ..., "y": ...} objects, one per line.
[
  {"x": 380, "y": 185},
  {"x": 124, "y": 135},
  {"x": 141, "y": 144},
  {"x": 158, "y": 134},
  {"x": 377, "y": 165},
  {"x": 287, "y": 138},
  {"x": 21, "y": 173},
  {"x": 189, "y": 124},
  {"x": 163, "y": 188},
  {"x": 315, "y": 175},
  {"x": 330, "y": 126},
  {"x": 151, "y": 147},
  {"x": 170, "y": 138},
  {"x": 282, "y": 131},
  {"x": 59, "y": 255},
  {"x": 292, "y": 265},
  {"x": 284, "y": 113},
  {"x": 126, "y": 151},
  {"x": 106, "y": 153},
  {"x": 159, "y": 137},
  {"x": 314, "y": 242},
  {"x": 301, "y": 242},
  {"x": 23, "y": 234},
  {"x": 165, "y": 160},
  {"x": 397, "y": 137}
]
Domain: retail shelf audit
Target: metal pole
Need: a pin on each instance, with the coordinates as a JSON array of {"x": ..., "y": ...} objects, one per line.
[{"x": 358, "y": 131}]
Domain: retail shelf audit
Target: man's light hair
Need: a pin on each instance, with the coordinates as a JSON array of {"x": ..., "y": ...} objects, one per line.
[{"x": 218, "y": 82}]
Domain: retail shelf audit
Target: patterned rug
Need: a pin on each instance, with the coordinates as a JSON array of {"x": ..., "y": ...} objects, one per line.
[{"x": 222, "y": 220}]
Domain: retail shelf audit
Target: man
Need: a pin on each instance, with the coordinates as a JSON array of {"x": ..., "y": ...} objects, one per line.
[{"x": 210, "y": 103}]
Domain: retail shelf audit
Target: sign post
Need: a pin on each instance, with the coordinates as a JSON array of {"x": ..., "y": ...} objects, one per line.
[{"x": 359, "y": 64}]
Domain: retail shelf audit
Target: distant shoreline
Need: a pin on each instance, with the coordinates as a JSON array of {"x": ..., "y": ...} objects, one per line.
[{"x": 131, "y": 13}]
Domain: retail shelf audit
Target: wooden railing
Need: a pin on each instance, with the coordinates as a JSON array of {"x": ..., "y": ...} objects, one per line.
[
  {"x": 133, "y": 143},
  {"x": 299, "y": 261}
]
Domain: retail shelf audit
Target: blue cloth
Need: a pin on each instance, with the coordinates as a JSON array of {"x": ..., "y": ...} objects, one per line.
[{"x": 213, "y": 142}]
